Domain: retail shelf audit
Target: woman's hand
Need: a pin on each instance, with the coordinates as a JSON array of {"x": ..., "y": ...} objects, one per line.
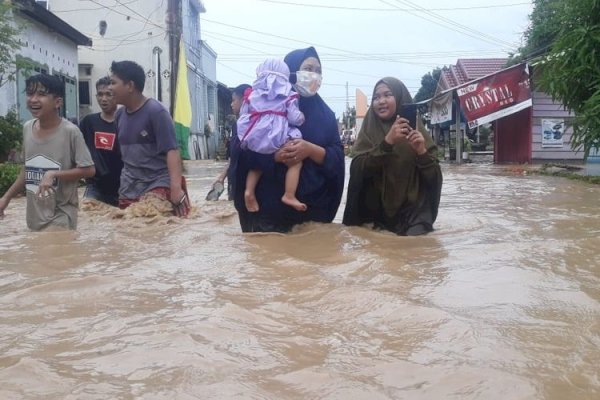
[
  {"x": 417, "y": 142},
  {"x": 283, "y": 156},
  {"x": 299, "y": 149},
  {"x": 401, "y": 130},
  {"x": 295, "y": 151},
  {"x": 398, "y": 132}
]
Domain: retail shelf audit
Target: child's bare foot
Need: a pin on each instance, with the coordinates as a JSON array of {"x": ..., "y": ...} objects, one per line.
[
  {"x": 292, "y": 201},
  {"x": 250, "y": 200}
]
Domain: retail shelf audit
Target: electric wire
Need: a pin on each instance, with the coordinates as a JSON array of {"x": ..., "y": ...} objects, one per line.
[
  {"x": 454, "y": 23},
  {"x": 345, "y": 8},
  {"x": 445, "y": 25}
]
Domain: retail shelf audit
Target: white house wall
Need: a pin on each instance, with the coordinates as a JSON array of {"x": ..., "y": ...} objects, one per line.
[
  {"x": 47, "y": 48},
  {"x": 133, "y": 30}
]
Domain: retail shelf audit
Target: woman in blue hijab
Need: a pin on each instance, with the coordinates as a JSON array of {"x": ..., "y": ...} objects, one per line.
[{"x": 320, "y": 150}]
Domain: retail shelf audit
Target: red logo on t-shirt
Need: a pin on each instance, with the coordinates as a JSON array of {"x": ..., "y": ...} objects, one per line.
[{"x": 104, "y": 140}]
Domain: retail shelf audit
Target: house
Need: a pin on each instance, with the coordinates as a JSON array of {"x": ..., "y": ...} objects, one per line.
[
  {"x": 202, "y": 80},
  {"x": 468, "y": 69},
  {"x": 49, "y": 45},
  {"x": 537, "y": 131},
  {"x": 147, "y": 32},
  {"x": 442, "y": 106}
]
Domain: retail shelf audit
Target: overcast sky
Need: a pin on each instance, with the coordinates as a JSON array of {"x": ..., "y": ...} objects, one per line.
[{"x": 360, "y": 41}]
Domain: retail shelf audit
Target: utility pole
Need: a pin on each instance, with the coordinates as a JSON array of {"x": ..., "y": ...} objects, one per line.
[
  {"x": 173, "y": 21},
  {"x": 347, "y": 122},
  {"x": 459, "y": 135}
]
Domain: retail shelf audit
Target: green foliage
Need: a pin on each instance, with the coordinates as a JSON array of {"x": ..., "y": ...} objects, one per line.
[
  {"x": 545, "y": 25},
  {"x": 349, "y": 118},
  {"x": 349, "y": 151},
  {"x": 11, "y": 134},
  {"x": 467, "y": 144},
  {"x": 8, "y": 175},
  {"x": 9, "y": 44},
  {"x": 570, "y": 72},
  {"x": 429, "y": 83}
]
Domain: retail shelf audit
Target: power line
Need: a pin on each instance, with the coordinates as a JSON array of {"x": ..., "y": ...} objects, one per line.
[
  {"x": 454, "y": 23},
  {"x": 398, "y": 54},
  {"x": 333, "y": 58},
  {"x": 391, "y": 9},
  {"x": 147, "y": 19},
  {"x": 144, "y": 19},
  {"x": 304, "y": 42},
  {"x": 235, "y": 70},
  {"x": 102, "y": 7},
  {"x": 218, "y": 36},
  {"x": 445, "y": 25}
]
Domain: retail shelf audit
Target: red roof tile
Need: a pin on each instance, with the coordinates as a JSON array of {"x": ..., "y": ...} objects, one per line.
[{"x": 468, "y": 69}]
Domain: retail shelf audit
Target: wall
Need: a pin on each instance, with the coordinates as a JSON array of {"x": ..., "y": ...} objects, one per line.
[
  {"x": 545, "y": 108},
  {"x": 512, "y": 138},
  {"x": 55, "y": 53},
  {"x": 201, "y": 79},
  {"x": 133, "y": 31}
]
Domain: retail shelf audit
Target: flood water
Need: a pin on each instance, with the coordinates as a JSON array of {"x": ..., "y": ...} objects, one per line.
[{"x": 502, "y": 301}]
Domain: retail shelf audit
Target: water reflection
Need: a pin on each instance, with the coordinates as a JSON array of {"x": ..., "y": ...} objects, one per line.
[{"x": 502, "y": 301}]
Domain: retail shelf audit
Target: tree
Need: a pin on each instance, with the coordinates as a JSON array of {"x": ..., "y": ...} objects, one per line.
[
  {"x": 544, "y": 27},
  {"x": 9, "y": 44},
  {"x": 429, "y": 83},
  {"x": 11, "y": 134},
  {"x": 570, "y": 71},
  {"x": 349, "y": 118}
]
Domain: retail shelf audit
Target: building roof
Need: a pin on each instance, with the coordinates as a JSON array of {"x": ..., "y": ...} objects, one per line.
[
  {"x": 468, "y": 69},
  {"x": 38, "y": 13}
]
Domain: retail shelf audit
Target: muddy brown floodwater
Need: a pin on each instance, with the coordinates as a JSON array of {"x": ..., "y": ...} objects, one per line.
[{"x": 502, "y": 301}]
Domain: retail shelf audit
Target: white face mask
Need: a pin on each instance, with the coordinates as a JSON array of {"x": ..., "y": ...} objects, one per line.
[{"x": 307, "y": 83}]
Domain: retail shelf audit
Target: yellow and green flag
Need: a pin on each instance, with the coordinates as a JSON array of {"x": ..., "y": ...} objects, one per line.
[{"x": 183, "y": 106}]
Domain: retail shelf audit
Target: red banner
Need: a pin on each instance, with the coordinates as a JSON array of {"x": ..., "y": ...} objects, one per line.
[{"x": 495, "y": 96}]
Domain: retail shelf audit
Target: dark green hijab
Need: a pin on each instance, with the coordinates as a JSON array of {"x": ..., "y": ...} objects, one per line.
[
  {"x": 398, "y": 183},
  {"x": 374, "y": 129}
]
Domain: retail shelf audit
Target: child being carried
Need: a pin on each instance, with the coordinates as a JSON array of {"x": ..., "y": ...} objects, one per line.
[{"x": 268, "y": 119}]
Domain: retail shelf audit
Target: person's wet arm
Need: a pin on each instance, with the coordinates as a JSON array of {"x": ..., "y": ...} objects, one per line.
[
  {"x": 66, "y": 175},
  {"x": 174, "y": 167},
  {"x": 14, "y": 189}
]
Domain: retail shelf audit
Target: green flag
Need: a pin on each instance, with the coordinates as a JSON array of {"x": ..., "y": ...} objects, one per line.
[{"x": 183, "y": 106}]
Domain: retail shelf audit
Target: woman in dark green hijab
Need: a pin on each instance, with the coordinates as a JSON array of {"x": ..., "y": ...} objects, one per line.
[{"x": 395, "y": 178}]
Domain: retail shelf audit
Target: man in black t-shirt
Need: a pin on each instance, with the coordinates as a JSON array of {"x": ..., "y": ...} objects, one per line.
[{"x": 99, "y": 132}]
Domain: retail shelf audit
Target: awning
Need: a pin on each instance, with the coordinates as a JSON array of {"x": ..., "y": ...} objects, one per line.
[
  {"x": 485, "y": 99},
  {"x": 495, "y": 96}
]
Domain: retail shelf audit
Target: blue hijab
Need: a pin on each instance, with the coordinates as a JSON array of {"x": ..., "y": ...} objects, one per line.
[
  {"x": 317, "y": 113},
  {"x": 320, "y": 186}
]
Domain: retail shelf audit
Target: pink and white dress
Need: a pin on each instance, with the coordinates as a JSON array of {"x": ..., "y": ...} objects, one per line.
[{"x": 269, "y": 114}]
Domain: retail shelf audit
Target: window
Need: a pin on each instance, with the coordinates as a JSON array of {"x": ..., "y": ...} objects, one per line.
[{"x": 84, "y": 93}]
